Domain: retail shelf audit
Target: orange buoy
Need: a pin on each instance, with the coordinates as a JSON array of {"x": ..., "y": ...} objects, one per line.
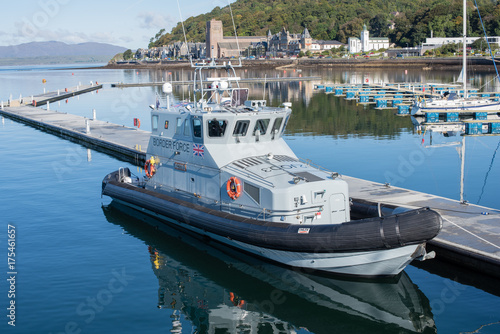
[
  {"x": 149, "y": 168},
  {"x": 233, "y": 187}
]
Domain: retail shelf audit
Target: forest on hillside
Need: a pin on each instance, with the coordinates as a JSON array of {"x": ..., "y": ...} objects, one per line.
[{"x": 411, "y": 20}]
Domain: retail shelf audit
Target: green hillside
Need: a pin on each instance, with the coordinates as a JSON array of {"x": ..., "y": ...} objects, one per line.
[{"x": 341, "y": 19}]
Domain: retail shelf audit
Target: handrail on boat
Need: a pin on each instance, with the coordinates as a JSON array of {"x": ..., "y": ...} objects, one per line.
[{"x": 312, "y": 164}]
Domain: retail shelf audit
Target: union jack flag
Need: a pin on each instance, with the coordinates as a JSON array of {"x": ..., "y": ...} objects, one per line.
[{"x": 198, "y": 150}]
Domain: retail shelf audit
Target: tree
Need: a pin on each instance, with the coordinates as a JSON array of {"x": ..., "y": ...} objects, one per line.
[
  {"x": 128, "y": 54},
  {"x": 378, "y": 25},
  {"x": 480, "y": 44},
  {"x": 350, "y": 29}
]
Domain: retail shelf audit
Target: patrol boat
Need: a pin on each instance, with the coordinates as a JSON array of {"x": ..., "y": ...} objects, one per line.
[{"x": 219, "y": 167}]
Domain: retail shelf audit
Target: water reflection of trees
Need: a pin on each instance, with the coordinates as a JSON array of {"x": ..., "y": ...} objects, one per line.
[{"x": 326, "y": 114}]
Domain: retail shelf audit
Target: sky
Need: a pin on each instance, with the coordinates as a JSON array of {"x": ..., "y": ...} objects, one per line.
[{"x": 127, "y": 23}]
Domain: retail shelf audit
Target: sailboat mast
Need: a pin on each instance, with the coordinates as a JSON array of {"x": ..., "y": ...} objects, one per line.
[
  {"x": 462, "y": 170},
  {"x": 464, "y": 60}
]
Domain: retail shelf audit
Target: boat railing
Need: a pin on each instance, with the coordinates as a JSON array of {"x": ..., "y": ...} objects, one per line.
[
  {"x": 312, "y": 164},
  {"x": 250, "y": 175},
  {"x": 264, "y": 213}
]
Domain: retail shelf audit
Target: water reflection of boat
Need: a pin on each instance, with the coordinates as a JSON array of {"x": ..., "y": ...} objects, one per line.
[
  {"x": 227, "y": 291},
  {"x": 458, "y": 126},
  {"x": 452, "y": 129}
]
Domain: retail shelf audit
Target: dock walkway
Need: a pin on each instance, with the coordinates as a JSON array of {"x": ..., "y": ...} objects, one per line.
[
  {"x": 49, "y": 97},
  {"x": 122, "y": 142},
  {"x": 471, "y": 233}
]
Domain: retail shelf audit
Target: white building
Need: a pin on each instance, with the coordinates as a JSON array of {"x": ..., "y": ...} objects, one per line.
[
  {"x": 365, "y": 43},
  {"x": 436, "y": 42}
]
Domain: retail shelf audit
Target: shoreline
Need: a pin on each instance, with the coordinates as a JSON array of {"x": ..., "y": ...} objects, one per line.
[{"x": 451, "y": 63}]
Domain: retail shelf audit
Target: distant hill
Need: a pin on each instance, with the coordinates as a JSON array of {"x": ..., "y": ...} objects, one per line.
[{"x": 59, "y": 49}]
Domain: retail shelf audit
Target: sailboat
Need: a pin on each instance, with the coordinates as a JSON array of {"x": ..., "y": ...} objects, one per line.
[{"x": 452, "y": 102}]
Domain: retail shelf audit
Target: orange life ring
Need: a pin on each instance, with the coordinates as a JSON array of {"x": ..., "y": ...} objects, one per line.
[
  {"x": 233, "y": 186},
  {"x": 149, "y": 168}
]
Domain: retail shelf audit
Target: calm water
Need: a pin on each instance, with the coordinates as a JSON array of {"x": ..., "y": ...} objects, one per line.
[{"x": 85, "y": 266}]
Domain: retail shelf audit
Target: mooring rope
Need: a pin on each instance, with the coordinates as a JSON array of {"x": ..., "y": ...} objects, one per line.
[{"x": 471, "y": 233}]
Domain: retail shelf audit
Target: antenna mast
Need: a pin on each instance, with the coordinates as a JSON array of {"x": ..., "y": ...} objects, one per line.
[
  {"x": 235, "y": 34},
  {"x": 184, "y": 31}
]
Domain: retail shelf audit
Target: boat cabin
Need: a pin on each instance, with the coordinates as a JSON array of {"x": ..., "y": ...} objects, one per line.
[{"x": 227, "y": 153}]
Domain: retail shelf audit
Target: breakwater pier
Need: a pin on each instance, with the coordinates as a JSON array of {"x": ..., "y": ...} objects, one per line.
[{"x": 243, "y": 80}]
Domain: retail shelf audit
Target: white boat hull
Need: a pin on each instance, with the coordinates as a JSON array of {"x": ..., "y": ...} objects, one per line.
[
  {"x": 475, "y": 105},
  {"x": 378, "y": 263}
]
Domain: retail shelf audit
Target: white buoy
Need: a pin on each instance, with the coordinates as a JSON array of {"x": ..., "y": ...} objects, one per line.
[
  {"x": 87, "y": 123},
  {"x": 1, "y": 106},
  {"x": 94, "y": 117},
  {"x": 167, "y": 88},
  {"x": 48, "y": 105}
]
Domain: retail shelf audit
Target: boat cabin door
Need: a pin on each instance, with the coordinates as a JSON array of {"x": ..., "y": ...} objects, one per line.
[{"x": 337, "y": 208}]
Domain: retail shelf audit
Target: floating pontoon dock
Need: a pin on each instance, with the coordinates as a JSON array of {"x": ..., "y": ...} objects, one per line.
[{"x": 398, "y": 96}]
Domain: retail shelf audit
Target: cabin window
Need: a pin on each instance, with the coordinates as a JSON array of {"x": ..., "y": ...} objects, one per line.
[
  {"x": 276, "y": 125},
  {"x": 187, "y": 128},
  {"x": 284, "y": 125},
  {"x": 252, "y": 191},
  {"x": 216, "y": 128},
  {"x": 178, "y": 128},
  {"x": 197, "y": 127},
  {"x": 241, "y": 128},
  {"x": 261, "y": 125},
  {"x": 154, "y": 123},
  {"x": 239, "y": 96}
]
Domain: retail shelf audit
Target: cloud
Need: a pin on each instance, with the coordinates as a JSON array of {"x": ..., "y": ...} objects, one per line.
[
  {"x": 29, "y": 33},
  {"x": 151, "y": 20},
  {"x": 126, "y": 39}
]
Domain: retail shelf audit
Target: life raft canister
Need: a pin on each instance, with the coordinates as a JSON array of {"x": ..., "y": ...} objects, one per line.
[
  {"x": 150, "y": 168},
  {"x": 233, "y": 187}
]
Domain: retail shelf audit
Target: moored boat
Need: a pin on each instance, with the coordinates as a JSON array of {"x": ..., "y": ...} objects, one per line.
[
  {"x": 451, "y": 101},
  {"x": 219, "y": 167}
]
